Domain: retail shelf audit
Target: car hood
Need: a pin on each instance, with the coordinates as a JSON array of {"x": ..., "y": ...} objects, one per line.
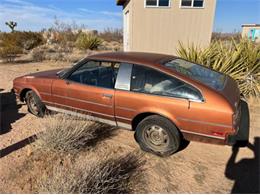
[
  {"x": 45, "y": 74},
  {"x": 231, "y": 92}
]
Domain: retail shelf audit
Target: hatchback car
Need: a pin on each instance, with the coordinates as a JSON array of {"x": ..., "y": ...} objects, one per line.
[{"x": 163, "y": 98}]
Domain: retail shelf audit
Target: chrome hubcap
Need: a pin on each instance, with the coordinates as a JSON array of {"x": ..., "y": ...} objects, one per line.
[{"x": 156, "y": 137}]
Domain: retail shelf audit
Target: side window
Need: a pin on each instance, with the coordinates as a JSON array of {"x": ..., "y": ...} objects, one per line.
[
  {"x": 95, "y": 73},
  {"x": 150, "y": 81}
]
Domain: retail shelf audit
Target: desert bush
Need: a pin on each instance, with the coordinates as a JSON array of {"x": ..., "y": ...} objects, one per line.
[
  {"x": 38, "y": 55},
  {"x": 88, "y": 41},
  {"x": 112, "y": 175},
  {"x": 25, "y": 40},
  {"x": 111, "y": 46},
  {"x": 12, "y": 44},
  {"x": 240, "y": 60},
  {"x": 64, "y": 133},
  {"x": 29, "y": 40},
  {"x": 63, "y": 33},
  {"x": 219, "y": 36},
  {"x": 111, "y": 34},
  {"x": 8, "y": 54},
  {"x": 65, "y": 39},
  {"x": 9, "y": 48},
  {"x": 58, "y": 56}
]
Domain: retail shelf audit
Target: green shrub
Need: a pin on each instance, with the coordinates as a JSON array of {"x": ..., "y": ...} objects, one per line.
[
  {"x": 88, "y": 41},
  {"x": 240, "y": 60}
]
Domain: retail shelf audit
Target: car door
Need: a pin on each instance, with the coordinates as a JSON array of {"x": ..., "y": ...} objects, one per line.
[
  {"x": 59, "y": 95},
  {"x": 146, "y": 90},
  {"x": 91, "y": 90}
]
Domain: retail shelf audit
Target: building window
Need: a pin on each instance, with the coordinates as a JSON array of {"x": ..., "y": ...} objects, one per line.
[
  {"x": 192, "y": 3},
  {"x": 186, "y": 3},
  {"x": 157, "y": 3},
  {"x": 198, "y": 3}
]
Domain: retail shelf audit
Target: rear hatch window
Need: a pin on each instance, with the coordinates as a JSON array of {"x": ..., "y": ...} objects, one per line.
[{"x": 199, "y": 73}]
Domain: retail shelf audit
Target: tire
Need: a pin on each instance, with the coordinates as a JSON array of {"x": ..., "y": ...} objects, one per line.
[
  {"x": 158, "y": 135},
  {"x": 34, "y": 104}
]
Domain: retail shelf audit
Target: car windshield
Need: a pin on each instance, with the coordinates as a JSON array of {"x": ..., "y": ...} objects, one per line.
[
  {"x": 197, "y": 72},
  {"x": 61, "y": 73}
]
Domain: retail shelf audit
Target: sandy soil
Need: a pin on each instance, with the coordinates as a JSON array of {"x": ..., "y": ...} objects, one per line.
[{"x": 199, "y": 168}]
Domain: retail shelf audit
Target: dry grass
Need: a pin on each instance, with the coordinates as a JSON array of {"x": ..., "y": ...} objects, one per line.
[
  {"x": 65, "y": 137},
  {"x": 64, "y": 133},
  {"x": 219, "y": 36},
  {"x": 38, "y": 55},
  {"x": 112, "y": 175},
  {"x": 111, "y": 34},
  {"x": 60, "y": 162}
]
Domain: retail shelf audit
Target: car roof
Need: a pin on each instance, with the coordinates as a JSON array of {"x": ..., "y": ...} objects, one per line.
[
  {"x": 149, "y": 59},
  {"x": 141, "y": 58},
  {"x": 133, "y": 57}
]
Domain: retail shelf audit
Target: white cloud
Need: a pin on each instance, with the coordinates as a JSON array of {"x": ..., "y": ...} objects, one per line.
[
  {"x": 107, "y": 13},
  {"x": 30, "y": 16}
]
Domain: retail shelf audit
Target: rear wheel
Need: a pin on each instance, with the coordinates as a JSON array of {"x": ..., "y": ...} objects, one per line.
[
  {"x": 158, "y": 135},
  {"x": 35, "y": 105}
]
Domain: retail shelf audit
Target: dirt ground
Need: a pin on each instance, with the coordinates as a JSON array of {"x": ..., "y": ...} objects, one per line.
[{"x": 199, "y": 168}]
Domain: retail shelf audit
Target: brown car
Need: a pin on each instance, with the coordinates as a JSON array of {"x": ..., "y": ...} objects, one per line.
[{"x": 163, "y": 98}]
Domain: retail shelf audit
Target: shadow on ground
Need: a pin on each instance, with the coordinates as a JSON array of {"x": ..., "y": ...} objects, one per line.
[
  {"x": 4, "y": 152},
  {"x": 246, "y": 172},
  {"x": 9, "y": 111}
]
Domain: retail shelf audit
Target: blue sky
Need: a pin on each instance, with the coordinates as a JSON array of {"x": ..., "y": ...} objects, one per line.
[
  {"x": 230, "y": 14},
  {"x": 99, "y": 14}
]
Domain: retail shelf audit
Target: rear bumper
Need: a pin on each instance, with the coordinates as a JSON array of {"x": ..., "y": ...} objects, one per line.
[{"x": 242, "y": 136}]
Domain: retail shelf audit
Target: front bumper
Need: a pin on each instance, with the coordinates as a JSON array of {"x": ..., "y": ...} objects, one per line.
[{"x": 242, "y": 136}]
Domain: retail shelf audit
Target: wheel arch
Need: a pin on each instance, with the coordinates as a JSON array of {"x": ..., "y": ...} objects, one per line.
[
  {"x": 141, "y": 116},
  {"x": 25, "y": 90}
]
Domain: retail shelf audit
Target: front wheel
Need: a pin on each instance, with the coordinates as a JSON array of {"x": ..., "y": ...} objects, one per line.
[
  {"x": 34, "y": 104},
  {"x": 158, "y": 135}
]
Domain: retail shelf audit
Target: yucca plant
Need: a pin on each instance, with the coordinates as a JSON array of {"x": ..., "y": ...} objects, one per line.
[
  {"x": 240, "y": 60},
  {"x": 88, "y": 41}
]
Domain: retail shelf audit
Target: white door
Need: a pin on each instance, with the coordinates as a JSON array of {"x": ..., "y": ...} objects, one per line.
[{"x": 126, "y": 31}]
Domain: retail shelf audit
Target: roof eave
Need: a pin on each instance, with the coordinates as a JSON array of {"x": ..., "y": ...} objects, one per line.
[
  {"x": 120, "y": 2},
  {"x": 250, "y": 25}
]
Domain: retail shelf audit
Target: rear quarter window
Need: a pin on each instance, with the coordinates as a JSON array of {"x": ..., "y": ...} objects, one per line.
[
  {"x": 150, "y": 81},
  {"x": 199, "y": 73}
]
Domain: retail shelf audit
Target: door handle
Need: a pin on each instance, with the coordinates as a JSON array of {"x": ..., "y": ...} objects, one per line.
[{"x": 108, "y": 95}]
